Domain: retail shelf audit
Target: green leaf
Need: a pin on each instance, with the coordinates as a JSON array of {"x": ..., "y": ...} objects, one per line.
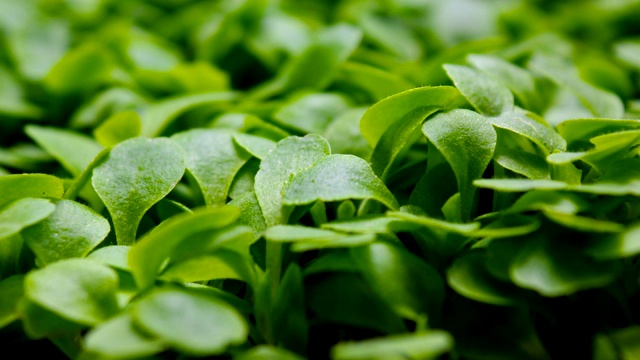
[
  {"x": 222, "y": 264},
  {"x": 291, "y": 156},
  {"x": 344, "y": 134},
  {"x": 116, "y": 256},
  {"x": 213, "y": 159},
  {"x": 523, "y": 124},
  {"x": 520, "y": 81},
  {"x": 335, "y": 178},
  {"x": 23, "y": 213},
  {"x": 194, "y": 324},
  {"x": 289, "y": 312},
  {"x": 554, "y": 268},
  {"x": 419, "y": 345},
  {"x": 74, "y": 151},
  {"x": 467, "y": 140},
  {"x": 487, "y": 95},
  {"x": 311, "y": 113},
  {"x": 147, "y": 255},
  {"x": 118, "y": 338},
  {"x": 469, "y": 277},
  {"x": 305, "y": 238},
  {"x": 72, "y": 230},
  {"x": 519, "y": 185},
  {"x": 156, "y": 117},
  {"x": 411, "y": 286},
  {"x": 118, "y": 128},
  {"x": 26, "y": 44},
  {"x": 407, "y": 107},
  {"x": 12, "y": 290},
  {"x": 266, "y": 352},
  {"x": 622, "y": 245},
  {"x": 344, "y": 298},
  {"x": 257, "y": 146},
  {"x": 78, "y": 290},
  {"x": 601, "y": 103},
  {"x": 378, "y": 83},
  {"x": 578, "y": 132},
  {"x": 137, "y": 174},
  {"x": 81, "y": 69}
]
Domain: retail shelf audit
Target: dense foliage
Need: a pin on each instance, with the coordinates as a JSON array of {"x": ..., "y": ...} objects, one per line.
[{"x": 345, "y": 179}]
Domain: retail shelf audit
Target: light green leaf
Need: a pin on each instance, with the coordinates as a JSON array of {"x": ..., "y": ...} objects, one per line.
[
  {"x": 74, "y": 151},
  {"x": 601, "y": 103},
  {"x": 378, "y": 83},
  {"x": 82, "y": 69},
  {"x": 213, "y": 159},
  {"x": 73, "y": 230},
  {"x": 624, "y": 244},
  {"x": 419, "y": 221},
  {"x": 419, "y": 345},
  {"x": 519, "y": 185},
  {"x": 583, "y": 223},
  {"x": 116, "y": 256},
  {"x": 222, "y": 264},
  {"x": 410, "y": 106},
  {"x": 118, "y": 128},
  {"x": 487, "y": 95},
  {"x": 23, "y": 213},
  {"x": 257, "y": 146},
  {"x": 194, "y": 324},
  {"x": 411, "y": 286},
  {"x": 467, "y": 141},
  {"x": 305, "y": 238},
  {"x": 522, "y": 162},
  {"x": 26, "y": 44},
  {"x": 311, "y": 113},
  {"x": 344, "y": 136},
  {"x": 79, "y": 290},
  {"x": 156, "y": 117},
  {"x": 291, "y": 156},
  {"x": 578, "y": 132},
  {"x": 16, "y": 186},
  {"x": 335, "y": 178},
  {"x": 12, "y": 291},
  {"x": 118, "y": 338},
  {"x": 520, "y": 81},
  {"x": 541, "y": 134},
  {"x": 147, "y": 256},
  {"x": 137, "y": 174}
]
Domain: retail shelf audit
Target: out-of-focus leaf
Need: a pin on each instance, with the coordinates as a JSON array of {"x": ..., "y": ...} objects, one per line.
[
  {"x": 79, "y": 290},
  {"x": 194, "y": 324},
  {"x": 23, "y": 213},
  {"x": 74, "y": 151},
  {"x": 486, "y": 94},
  {"x": 420, "y": 345}
]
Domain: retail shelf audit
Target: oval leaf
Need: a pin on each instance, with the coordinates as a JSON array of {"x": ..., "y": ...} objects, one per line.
[
  {"x": 191, "y": 323},
  {"x": 73, "y": 230},
  {"x": 79, "y": 290},
  {"x": 467, "y": 140},
  {"x": 335, "y": 178},
  {"x": 137, "y": 174}
]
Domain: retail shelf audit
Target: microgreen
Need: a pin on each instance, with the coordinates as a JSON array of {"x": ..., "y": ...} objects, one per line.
[{"x": 299, "y": 179}]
